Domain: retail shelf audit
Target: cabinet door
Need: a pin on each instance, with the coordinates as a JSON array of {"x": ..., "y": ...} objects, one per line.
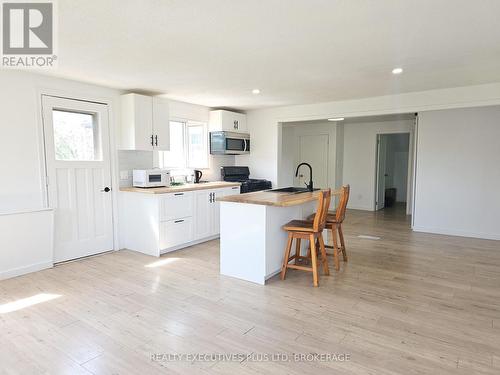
[
  {"x": 240, "y": 121},
  {"x": 203, "y": 221},
  {"x": 136, "y": 122},
  {"x": 215, "y": 212},
  {"x": 161, "y": 124}
]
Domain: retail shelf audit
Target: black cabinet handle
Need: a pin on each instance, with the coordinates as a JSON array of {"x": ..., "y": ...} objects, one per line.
[
  {"x": 156, "y": 140},
  {"x": 179, "y": 194},
  {"x": 152, "y": 143},
  {"x": 106, "y": 190},
  {"x": 178, "y": 221}
]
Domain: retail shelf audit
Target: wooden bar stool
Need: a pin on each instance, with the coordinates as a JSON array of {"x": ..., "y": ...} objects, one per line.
[
  {"x": 312, "y": 231},
  {"x": 334, "y": 220}
]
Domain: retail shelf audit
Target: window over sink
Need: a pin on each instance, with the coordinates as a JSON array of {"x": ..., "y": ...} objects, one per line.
[{"x": 188, "y": 146}]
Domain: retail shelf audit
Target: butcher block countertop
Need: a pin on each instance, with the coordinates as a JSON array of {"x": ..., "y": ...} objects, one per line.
[
  {"x": 268, "y": 198},
  {"x": 180, "y": 188}
]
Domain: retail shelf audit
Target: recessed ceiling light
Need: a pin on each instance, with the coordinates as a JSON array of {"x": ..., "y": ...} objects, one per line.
[
  {"x": 336, "y": 119},
  {"x": 255, "y": 91},
  {"x": 397, "y": 70}
]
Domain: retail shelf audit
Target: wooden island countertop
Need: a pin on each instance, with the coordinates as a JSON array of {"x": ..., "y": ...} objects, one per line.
[
  {"x": 268, "y": 198},
  {"x": 180, "y": 188}
]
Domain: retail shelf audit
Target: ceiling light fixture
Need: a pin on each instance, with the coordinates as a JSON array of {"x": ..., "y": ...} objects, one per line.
[
  {"x": 336, "y": 119},
  {"x": 255, "y": 91},
  {"x": 397, "y": 70}
]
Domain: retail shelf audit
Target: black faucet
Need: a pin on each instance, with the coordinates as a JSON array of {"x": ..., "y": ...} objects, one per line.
[{"x": 310, "y": 185}]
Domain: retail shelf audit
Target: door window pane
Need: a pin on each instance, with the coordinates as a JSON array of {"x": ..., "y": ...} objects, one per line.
[{"x": 76, "y": 136}]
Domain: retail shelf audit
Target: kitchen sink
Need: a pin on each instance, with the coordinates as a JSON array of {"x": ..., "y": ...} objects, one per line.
[{"x": 291, "y": 189}]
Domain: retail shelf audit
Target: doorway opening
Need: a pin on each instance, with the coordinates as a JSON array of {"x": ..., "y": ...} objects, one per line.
[{"x": 392, "y": 188}]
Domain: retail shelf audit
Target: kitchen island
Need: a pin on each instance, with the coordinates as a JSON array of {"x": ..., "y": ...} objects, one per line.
[{"x": 252, "y": 241}]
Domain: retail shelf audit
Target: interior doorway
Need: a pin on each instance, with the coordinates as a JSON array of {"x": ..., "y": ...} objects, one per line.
[{"x": 392, "y": 170}]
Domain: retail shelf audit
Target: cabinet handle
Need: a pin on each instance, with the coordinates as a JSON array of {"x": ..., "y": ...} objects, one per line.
[
  {"x": 234, "y": 188},
  {"x": 156, "y": 140},
  {"x": 210, "y": 198},
  {"x": 179, "y": 194},
  {"x": 152, "y": 143},
  {"x": 213, "y": 199},
  {"x": 178, "y": 221}
]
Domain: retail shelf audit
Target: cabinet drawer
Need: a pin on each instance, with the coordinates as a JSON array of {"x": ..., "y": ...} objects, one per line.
[
  {"x": 176, "y": 206},
  {"x": 175, "y": 232}
]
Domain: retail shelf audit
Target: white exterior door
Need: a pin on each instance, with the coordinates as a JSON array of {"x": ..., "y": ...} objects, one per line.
[
  {"x": 76, "y": 135},
  {"x": 313, "y": 149}
]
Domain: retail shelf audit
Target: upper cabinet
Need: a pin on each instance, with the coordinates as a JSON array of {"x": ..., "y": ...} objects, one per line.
[
  {"x": 144, "y": 123},
  {"x": 222, "y": 120}
]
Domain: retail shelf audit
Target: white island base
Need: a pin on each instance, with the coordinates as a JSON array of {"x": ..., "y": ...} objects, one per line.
[{"x": 252, "y": 241}]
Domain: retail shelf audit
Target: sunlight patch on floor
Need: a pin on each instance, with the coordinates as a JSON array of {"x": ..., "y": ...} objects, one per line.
[
  {"x": 366, "y": 237},
  {"x": 27, "y": 302},
  {"x": 161, "y": 262}
]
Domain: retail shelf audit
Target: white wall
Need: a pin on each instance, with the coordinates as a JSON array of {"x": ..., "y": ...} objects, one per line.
[
  {"x": 360, "y": 152},
  {"x": 458, "y": 172},
  {"x": 289, "y": 160},
  {"x": 263, "y": 123}
]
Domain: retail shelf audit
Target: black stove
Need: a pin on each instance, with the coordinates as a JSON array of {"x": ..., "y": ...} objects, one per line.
[{"x": 241, "y": 174}]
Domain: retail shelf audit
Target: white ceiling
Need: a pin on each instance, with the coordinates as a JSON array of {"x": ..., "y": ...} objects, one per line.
[{"x": 214, "y": 52}]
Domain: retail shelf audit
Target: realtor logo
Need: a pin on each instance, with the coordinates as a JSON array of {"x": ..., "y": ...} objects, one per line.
[{"x": 28, "y": 34}]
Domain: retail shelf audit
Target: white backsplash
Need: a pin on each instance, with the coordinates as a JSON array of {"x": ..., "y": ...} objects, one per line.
[{"x": 130, "y": 160}]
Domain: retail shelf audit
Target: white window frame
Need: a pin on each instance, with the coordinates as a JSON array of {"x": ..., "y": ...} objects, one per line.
[{"x": 186, "y": 164}]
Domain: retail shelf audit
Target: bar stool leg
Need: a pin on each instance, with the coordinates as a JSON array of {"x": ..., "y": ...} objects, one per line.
[
  {"x": 314, "y": 259},
  {"x": 326, "y": 270},
  {"x": 342, "y": 243},
  {"x": 335, "y": 247},
  {"x": 297, "y": 249},
  {"x": 287, "y": 256}
]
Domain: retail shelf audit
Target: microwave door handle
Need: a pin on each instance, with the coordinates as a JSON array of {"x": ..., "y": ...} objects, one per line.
[{"x": 245, "y": 150}]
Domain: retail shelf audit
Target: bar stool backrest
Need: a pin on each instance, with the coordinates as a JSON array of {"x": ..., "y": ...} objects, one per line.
[
  {"x": 319, "y": 222},
  {"x": 344, "y": 198}
]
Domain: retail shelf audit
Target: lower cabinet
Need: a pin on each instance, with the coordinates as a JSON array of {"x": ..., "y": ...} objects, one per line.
[
  {"x": 156, "y": 224},
  {"x": 176, "y": 232}
]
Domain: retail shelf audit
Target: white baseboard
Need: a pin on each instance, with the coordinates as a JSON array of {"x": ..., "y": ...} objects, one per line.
[
  {"x": 452, "y": 232},
  {"x": 192, "y": 243},
  {"x": 361, "y": 208},
  {"x": 24, "y": 270}
]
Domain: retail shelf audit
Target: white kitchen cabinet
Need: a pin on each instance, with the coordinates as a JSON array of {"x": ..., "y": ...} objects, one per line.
[
  {"x": 161, "y": 124},
  {"x": 158, "y": 223},
  {"x": 204, "y": 214},
  {"x": 176, "y": 232},
  {"x": 222, "y": 120},
  {"x": 176, "y": 205},
  {"x": 144, "y": 123}
]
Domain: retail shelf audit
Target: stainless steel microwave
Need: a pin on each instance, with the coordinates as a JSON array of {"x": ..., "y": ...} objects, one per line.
[{"x": 229, "y": 143}]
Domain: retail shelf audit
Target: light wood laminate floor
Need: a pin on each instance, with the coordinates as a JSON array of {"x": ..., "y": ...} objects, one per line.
[{"x": 409, "y": 303}]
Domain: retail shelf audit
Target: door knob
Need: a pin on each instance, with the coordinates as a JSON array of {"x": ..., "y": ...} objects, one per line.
[{"x": 106, "y": 190}]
